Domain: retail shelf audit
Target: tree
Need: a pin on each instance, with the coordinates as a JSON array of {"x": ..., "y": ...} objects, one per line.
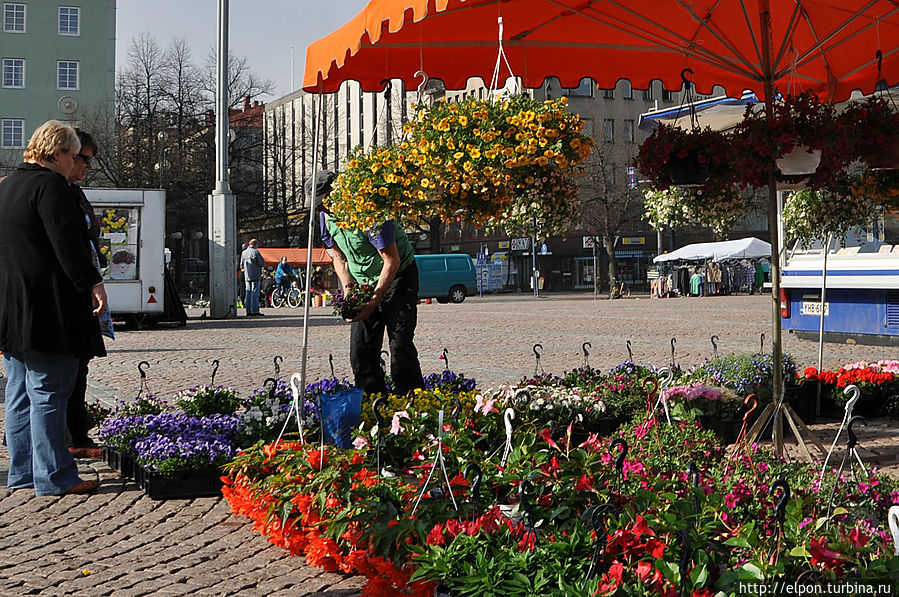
[{"x": 609, "y": 204}]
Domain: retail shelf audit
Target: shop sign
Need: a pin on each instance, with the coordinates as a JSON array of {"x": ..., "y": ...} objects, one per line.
[
  {"x": 503, "y": 244},
  {"x": 633, "y": 240},
  {"x": 521, "y": 244}
]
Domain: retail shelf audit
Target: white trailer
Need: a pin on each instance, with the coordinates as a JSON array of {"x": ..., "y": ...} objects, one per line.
[{"x": 133, "y": 240}]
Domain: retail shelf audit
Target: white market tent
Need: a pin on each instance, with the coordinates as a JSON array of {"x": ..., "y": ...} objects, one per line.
[{"x": 743, "y": 248}]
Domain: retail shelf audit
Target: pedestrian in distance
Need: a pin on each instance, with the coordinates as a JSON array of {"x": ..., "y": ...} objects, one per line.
[
  {"x": 384, "y": 258},
  {"x": 51, "y": 296},
  {"x": 284, "y": 275},
  {"x": 252, "y": 263}
]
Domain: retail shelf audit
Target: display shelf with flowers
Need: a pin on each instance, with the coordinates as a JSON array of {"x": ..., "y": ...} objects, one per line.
[
  {"x": 878, "y": 382},
  {"x": 673, "y": 156},
  {"x": 205, "y": 400}
]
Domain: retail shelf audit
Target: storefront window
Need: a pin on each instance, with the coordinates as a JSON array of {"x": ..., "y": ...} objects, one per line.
[{"x": 119, "y": 239}]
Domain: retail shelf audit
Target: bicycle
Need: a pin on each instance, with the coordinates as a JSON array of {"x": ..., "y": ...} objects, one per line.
[{"x": 292, "y": 297}]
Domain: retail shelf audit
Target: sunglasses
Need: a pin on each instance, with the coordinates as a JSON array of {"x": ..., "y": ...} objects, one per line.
[{"x": 87, "y": 159}]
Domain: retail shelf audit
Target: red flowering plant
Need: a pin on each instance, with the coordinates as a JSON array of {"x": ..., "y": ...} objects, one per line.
[
  {"x": 878, "y": 383},
  {"x": 795, "y": 121},
  {"x": 670, "y": 145},
  {"x": 872, "y": 125}
]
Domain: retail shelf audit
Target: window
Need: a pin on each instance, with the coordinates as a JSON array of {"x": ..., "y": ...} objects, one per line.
[
  {"x": 608, "y": 94},
  {"x": 628, "y": 90},
  {"x": 69, "y": 17},
  {"x": 13, "y": 133},
  {"x": 667, "y": 96},
  {"x": 608, "y": 130},
  {"x": 647, "y": 94},
  {"x": 584, "y": 89},
  {"x": 14, "y": 72},
  {"x": 14, "y": 18},
  {"x": 67, "y": 74},
  {"x": 628, "y": 131}
]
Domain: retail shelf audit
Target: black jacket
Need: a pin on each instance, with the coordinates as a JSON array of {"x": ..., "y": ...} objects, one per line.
[{"x": 46, "y": 270}]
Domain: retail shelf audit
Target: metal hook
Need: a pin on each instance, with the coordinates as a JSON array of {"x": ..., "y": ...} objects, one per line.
[
  {"x": 331, "y": 363},
  {"x": 755, "y": 404},
  {"x": 893, "y": 521},
  {"x": 508, "y": 415},
  {"x": 537, "y": 356},
  {"x": 693, "y": 475},
  {"x": 586, "y": 354},
  {"x": 387, "y": 85},
  {"x": 446, "y": 359},
  {"x": 141, "y": 366},
  {"x": 523, "y": 504},
  {"x": 422, "y": 85},
  {"x": 673, "y": 342},
  {"x": 686, "y": 557},
  {"x": 666, "y": 376},
  {"x": 619, "y": 461},
  {"x": 215, "y": 367},
  {"x": 684, "y": 79},
  {"x": 853, "y": 439},
  {"x": 630, "y": 354},
  {"x": 271, "y": 390},
  {"x": 375, "y": 409},
  {"x": 473, "y": 470},
  {"x": 457, "y": 409},
  {"x": 278, "y": 360},
  {"x": 597, "y": 519},
  {"x": 780, "y": 508},
  {"x": 714, "y": 340}
]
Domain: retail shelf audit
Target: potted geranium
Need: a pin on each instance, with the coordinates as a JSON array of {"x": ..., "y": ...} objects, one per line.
[{"x": 679, "y": 157}]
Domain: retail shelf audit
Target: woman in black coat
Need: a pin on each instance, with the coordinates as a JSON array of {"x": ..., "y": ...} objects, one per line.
[{"x": 50, "y": 296}]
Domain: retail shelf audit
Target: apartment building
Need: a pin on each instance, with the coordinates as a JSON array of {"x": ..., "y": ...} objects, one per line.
[{"x": 58, "y": 62}]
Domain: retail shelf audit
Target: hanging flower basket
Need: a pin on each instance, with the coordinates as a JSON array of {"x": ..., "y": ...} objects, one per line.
[
  {"x": 800, "y": 160},
  {"x": 882, "y": 158},
  {"x": 690, "y": 170}
]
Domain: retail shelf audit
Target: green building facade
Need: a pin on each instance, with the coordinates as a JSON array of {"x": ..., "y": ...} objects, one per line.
[{"x": 57, "y": 61}]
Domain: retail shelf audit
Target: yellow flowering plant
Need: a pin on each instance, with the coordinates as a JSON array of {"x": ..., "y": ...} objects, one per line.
[
  {"x": 375, "y": 186},
  {"x": 474, "y": 160}
]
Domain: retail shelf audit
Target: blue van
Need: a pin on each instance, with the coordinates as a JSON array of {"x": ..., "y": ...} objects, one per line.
[{"x": 446, "y": 277}]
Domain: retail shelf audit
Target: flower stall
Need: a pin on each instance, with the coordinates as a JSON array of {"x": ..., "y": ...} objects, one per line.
[{"x": 519, "y": 491}]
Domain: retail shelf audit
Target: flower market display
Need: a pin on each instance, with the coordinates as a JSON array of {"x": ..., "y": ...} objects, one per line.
[
  {"x": 528, "y": 490},
  {"x": 488, "y": 163}
]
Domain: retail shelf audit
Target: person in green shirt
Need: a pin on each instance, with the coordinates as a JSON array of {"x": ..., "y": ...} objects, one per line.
[{"x": 384, "y": 258}]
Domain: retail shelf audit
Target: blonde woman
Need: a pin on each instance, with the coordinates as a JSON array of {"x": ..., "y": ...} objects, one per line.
[{"x": 50, "y": 295}]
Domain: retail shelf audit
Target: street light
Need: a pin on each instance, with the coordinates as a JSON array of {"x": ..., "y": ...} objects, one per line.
[{"x": 163, "y": 164}]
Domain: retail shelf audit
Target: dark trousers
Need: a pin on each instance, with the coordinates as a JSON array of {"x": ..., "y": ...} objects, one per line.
[
  {"x": 397, "y": 314},
  {"x": 76, "y": 409}
]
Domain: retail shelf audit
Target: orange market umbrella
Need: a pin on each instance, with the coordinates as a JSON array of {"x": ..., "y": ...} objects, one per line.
[
  {"x": 830, "y": 47},
  {"x": 826, "y": 46}
]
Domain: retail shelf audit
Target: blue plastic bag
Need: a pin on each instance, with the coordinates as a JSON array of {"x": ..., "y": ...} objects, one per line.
[{"x": 341, "y": 412}]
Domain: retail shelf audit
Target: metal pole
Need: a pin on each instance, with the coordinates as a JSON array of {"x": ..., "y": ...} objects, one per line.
[
  {"x": 595, "y": 270},
  {"x": 222, "y": 204},
  {"x": 821, "y": 328},
  {"x": 307, "y": 297},
  {"x": 534, "y": 261}
]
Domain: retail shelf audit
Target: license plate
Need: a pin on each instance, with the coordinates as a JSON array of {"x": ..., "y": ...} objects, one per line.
[{"x": 815, "y": 309}]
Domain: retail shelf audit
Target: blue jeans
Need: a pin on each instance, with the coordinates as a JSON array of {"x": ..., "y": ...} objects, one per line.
[
  {"x": 252, "y": 297},
  {"x": 37, "y": 390}
]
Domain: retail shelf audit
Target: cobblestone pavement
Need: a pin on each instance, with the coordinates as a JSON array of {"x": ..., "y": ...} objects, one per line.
[{"x": 119, "y": 542}]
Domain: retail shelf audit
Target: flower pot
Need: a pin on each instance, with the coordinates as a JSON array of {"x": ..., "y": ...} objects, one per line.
[
  {"x": 726, "y": 429},
  {"x": 799, "y": 161},
  {"x": 689, "y": 170},
  {"x": 119, "y": 462},
  {"x": 180, "y": 484},
  {"x": 882, "y": 158}
]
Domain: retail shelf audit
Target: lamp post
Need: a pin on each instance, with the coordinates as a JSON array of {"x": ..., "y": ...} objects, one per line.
[{"x": 222, "y": 203}]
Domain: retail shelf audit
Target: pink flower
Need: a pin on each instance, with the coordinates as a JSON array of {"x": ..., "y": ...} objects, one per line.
[
  {"x": 395, "y": 427},
  {"x": 360, "y": 442}
]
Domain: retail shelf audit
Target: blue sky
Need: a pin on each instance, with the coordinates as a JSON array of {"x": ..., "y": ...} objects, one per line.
[{"x": 261, "y": 30}]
